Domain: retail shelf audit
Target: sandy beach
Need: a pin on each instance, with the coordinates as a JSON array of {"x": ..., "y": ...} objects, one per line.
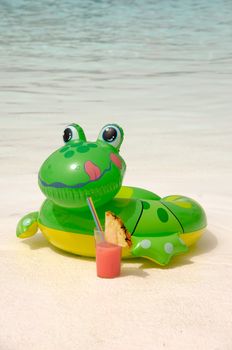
[{"x": 176, "y": 116}]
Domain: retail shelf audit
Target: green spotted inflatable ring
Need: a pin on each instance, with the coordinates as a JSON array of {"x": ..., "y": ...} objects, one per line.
[{"x": 161, "y": 227}]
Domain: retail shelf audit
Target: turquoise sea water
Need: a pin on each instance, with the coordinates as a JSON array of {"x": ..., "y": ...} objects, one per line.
[
  {"x": 145, "y": 32},
  {"x": 69, "y": 55}
]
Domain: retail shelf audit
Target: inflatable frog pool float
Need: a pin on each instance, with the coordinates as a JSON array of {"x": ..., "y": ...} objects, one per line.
[{"x": 160, "y": 227}]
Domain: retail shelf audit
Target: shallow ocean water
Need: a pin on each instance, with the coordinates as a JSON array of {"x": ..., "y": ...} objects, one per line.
[{"x": 90, "y": 52}]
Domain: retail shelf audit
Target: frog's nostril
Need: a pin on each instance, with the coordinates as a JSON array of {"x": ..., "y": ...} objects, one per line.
[
  {"x": 92, "y": 170},
  {"x": 92, "y": 145},
  {"x": 69, "y": 154},
  {"x": 64, "y": 149},
  {"x": 82, "y": 149}
]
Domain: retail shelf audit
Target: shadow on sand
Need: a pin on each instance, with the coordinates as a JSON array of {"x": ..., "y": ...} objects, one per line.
[{"x": 207, "y": 243}]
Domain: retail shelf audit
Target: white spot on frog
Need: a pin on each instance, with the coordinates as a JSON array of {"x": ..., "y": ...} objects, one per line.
[
  {"x": 168, "y": 248},
  {"x": 145, "y": 243},
  {"x": 26, "y": 222}
]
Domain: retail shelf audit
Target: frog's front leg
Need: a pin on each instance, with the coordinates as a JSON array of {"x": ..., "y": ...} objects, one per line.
[
  {"x": 160, "y": 248},
  {"x": 28, "y": 225}
]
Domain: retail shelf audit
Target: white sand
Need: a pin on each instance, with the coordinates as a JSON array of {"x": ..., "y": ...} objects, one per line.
[{"x": 177, "y": 140}]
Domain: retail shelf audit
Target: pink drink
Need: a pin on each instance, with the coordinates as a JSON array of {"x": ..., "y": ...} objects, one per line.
[{"x": 108, "y": 259}]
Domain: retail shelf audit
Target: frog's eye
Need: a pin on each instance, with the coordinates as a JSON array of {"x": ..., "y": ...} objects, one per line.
[
  {"x": 112, "y": 134},
  {"x": 70, "y": 133},
  {"x": 73, "y": 132}
]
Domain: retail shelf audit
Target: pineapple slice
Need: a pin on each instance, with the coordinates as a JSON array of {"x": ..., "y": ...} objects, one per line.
[{"x": 115, "y": 231}]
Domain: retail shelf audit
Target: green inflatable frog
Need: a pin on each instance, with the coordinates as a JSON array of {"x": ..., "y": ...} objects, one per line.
[{"x": 160, "y": 227}]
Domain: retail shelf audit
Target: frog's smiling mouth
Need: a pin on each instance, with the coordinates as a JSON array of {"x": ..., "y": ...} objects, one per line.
[{"x": 91, "y": 169}]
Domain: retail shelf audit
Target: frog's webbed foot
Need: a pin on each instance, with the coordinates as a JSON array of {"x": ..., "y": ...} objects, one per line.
[
  {"x": 159, "y": 249},
  {"x": 28, "y": 225}
]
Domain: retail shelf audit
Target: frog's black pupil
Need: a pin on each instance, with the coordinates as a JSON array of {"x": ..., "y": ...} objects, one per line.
[
  {"x": 109, "y": 134},
  {"x": 67, "y": 134}
]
